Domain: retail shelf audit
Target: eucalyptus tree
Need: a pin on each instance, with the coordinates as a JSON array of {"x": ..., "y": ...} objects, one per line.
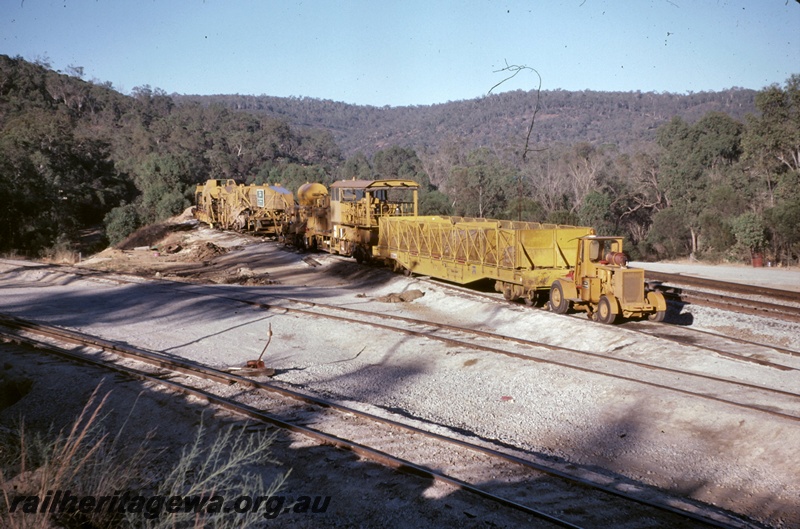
[
  {"x": 771, "y": 146},
  {"x": 481, "y": 187},
  {"x": 771, "y": 143},
  {"x": 694, "y": 157}
]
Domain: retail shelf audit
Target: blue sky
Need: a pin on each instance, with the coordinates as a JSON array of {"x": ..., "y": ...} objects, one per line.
[{"x": 409, "y": 52}]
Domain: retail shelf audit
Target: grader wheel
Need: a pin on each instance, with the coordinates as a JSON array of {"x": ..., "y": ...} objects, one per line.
[{"x": 657, "y": 299}]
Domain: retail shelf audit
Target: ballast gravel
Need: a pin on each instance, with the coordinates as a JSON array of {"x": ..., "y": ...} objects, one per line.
[{"x": 741, "y": 461}]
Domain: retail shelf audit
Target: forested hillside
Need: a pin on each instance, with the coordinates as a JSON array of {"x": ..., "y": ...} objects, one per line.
[
  {"x": 623, "y": 119},
  {"x": 75, "y": 153},
  {"x": 713, "y": 175}
]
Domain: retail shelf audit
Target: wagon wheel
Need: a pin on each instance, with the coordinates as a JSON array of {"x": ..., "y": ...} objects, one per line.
[
  {"x": 530, "y": 299},
  {"x": 657, "y": 316},
  {"x": 508, "y": 293},
  {"x": 535, "y": 298},
  {"x": 558, "y": 303}
]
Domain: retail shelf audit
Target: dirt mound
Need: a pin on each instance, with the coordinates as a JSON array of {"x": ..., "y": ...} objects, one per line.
[
  {"x": 241, "y": 276},
  {"x": 151, "y": 235},
  {"x": 207, "y": 250},
  {"x": 402, "y": 297},
  {"x": 187, "y": 215}
]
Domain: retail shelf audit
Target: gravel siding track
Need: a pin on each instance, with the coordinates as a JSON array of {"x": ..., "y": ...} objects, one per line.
[{"x": 742, "y": 461}]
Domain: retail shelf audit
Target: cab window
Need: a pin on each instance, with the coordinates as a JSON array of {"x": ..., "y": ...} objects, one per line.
[{"x": 595, "y": 250}]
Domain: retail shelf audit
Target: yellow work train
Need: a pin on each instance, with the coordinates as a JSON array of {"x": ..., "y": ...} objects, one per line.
[{"x": 378, "y": 220}]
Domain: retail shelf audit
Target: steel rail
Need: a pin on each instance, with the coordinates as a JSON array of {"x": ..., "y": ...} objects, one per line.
[
  {"x": 525, "y": 357},
  {"x": 632, "y": 326},
  {"x": 190, "y": 368},
  {"x": 781, "y": 350},
  {"x": 533, "y": 343},
  {"x": 382, "y": 458},
  {"x": 744, "y": 306},
  {"x": 452, "y": 341},
  {"x": 725, "y": 286},
  {"x": 650, "y": 329},
  {"x": 497, "y": 299}
]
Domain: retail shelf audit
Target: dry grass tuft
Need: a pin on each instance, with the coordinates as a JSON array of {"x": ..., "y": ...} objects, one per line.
[{"x": 88, "y": 461}]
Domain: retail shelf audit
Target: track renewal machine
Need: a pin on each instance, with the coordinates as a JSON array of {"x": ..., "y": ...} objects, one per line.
[
  {"x": 345, "y": 221},
  {"x": 252, "y": 208}
]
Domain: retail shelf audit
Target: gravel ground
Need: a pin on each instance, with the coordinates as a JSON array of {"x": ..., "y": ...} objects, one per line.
[
  {"x": 741, "y": 461},
  {"x": 362, "y": 493},
  {"x": 765, "y": 276}
]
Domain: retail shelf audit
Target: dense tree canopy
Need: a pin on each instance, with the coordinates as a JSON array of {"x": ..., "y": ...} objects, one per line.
[
  {"x": 71, "y": 152},
  {"x": 709, "y": 175}
]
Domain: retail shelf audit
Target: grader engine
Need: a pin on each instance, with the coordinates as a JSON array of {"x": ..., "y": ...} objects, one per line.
[{"x": 602, "y": 285}]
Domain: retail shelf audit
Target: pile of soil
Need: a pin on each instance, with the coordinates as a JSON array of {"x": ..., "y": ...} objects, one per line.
[
  {"x": 207, "y": 251},
  {"x": 402, "y": 297},
  {"x": 150, "y": 235},
  {"x": 240, "y": 276}
]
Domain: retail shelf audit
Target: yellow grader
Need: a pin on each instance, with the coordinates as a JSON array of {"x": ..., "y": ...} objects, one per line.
[{"x": 253, "y": 208}]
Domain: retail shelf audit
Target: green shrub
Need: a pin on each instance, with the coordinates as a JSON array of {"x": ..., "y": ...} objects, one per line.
[
  {"x": 121, "y": 222},
  {"x": 749, "y": 231}
]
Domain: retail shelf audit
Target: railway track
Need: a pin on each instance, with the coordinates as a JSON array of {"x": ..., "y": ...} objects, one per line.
[
  {"x": 738, "y": 349},
  {"x": 561, "y": 499},
  {"x": 725, "y": 286},
  {"x": 782, "y": 304},
  {"x": 782, "y": 403},
  {"x": 696, "y": 384},
  {"x": 716, "y": 343},
  {"x": 770, "y": 359}
]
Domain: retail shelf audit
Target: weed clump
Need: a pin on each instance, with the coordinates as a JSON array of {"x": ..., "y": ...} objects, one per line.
[{"x": 85, "y": 477}]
